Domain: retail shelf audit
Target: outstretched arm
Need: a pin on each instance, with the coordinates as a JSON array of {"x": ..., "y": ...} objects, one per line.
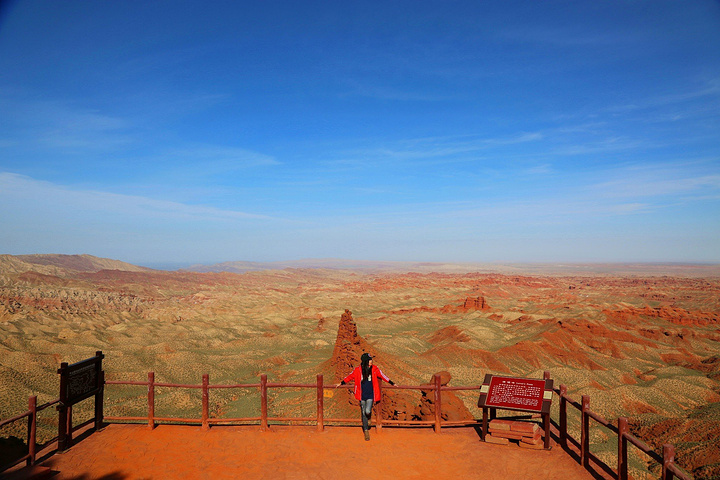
[
  {"x": 384, "y": 377},
  {"x": 351, "y": 376}
]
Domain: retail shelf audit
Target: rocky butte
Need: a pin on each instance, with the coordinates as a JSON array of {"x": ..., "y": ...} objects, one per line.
[{"x": 396, "y": 404}]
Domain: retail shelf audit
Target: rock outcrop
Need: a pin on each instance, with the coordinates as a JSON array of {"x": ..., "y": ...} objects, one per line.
[
  {"x": 477, "y": 303},
  {"x": 450, "y": 333},
  {"x": 453, "y": 409},
  {"x": 470, "y": 304},
  {"x": 678, "y": 316},
  {"x": 349, "y": 346}
]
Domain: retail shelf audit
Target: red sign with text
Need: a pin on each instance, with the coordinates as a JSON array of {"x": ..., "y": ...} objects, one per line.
[{"x": 516, "y": 393}]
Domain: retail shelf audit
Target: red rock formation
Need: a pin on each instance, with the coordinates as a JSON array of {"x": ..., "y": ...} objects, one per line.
[
  {"x": 694, "y": 437},
  {"x": 490, "y": 361},
  {"x": 478, "y": 303},
  {"x": 451, "y": 333},
  {"x": 321, "y": 323},
  {"x": 349, "y": 346},
  {"x": 678, "y": 316},
  {"x": 453, "y": 408},
  {"x": 471, "y": 304}
]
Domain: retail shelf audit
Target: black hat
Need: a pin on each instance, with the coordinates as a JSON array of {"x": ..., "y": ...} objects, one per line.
[{"x": 365, "y": 357}]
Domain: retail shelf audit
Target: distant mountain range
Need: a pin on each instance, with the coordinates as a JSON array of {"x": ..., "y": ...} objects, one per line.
[
  {"x": 343, "y": 264},
  {"x": 367, "y": 266},
  {"x": 57, "y": 264}
]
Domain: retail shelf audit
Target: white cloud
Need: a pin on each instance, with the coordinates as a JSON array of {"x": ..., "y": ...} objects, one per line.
[
  {"x": 710, "y": 88},
  {"x": 544, "y": 169},
  {"x": 445, "y": 149},
  {"x": 384, "y": 92},
  {"x": 219, "y": 159},
  {"x": 680, "y": 180},
  {"x": 566, "y": 211},
  {"x": 19, "y": 192},
  {"x": 611, "y": 144},
  {"x": 55, "y": 124}
]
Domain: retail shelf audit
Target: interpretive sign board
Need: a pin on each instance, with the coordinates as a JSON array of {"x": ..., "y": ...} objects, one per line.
[
  {"x": 519, "y": 394},
  {"x": 515, "y": 393},
  {"x": 82, "y": 380},
  {"x": 79, "y": 381}
]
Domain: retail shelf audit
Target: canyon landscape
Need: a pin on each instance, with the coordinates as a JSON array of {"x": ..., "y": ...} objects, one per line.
[{"x": 643, "y": 341}]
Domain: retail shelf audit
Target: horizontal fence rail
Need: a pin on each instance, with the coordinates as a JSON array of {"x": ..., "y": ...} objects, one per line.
[
  {"x": 31, "y": 439},
  {"x": 667, "y": 460},
  {"x": 264, "y": 419}
]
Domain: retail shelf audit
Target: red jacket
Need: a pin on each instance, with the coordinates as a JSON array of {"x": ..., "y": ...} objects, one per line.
[{"x": 376, "y": 374}]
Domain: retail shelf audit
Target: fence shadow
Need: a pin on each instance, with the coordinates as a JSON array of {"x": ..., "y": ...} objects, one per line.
[{"x": 595, "y": 467}]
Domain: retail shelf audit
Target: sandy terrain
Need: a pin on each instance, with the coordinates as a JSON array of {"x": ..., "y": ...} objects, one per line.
[{"x": 641, "y": 344}]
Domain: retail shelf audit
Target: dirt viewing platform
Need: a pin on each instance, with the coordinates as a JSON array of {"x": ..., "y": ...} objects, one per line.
[{"x": 129, "y": 452}]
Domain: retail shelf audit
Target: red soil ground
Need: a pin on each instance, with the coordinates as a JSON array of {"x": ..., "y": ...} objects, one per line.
[{"x": 125, "y": 452}]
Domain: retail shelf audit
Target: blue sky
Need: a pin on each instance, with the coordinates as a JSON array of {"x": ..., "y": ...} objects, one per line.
[{"x": 500, "y": 131}]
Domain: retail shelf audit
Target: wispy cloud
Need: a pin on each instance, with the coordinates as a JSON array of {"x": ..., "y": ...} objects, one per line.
[
  {"x": 368, "y": 89},
  {"x": 544, "y": 169},
  {"x": 657, "y": 182},
  {"x": 631, "y": 189},
  {"x": 58, "y": 125},
  {"x": 18, "y": 192},
  {"x": 605, "y": 145},
  {"x": 709, "y": 88},
  {"x": 562, "y": 36},
  {"x": 215, "y": 159},
  {"x": 445, "y": 149},
  {"x": 519, "y": 215}
]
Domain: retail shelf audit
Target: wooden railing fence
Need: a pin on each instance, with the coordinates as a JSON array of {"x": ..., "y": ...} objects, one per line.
[
  {"x": 264, "y": 419},
  {"x": 31, "y": 440},
  {"x": 667, "y": 460}
]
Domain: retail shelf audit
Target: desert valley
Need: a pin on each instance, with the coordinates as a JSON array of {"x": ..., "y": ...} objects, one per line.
[{"x": 642, "y": 341}]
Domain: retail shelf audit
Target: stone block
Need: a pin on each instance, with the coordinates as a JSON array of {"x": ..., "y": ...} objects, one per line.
[
  {"x": 500, "y": 441},
  {"x": 525, "y": 427}
]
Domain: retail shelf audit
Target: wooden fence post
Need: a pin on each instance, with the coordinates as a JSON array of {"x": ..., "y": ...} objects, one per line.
[
  {"x": 32, "y": 430},
  {"x": 438, "y": 404},
  {"x": 585, "y": 432},
  {"x": 546, "y": 416},
  {"x": 263, "y": 404},
  {"x": 63, "y": 409},
  {"x": 668, "y": 459},
  {"x": 68, "y": 427},
  {"x": 100, "y": 375},
  {"x": 378, "y": 413},
  {"x": 563, "y": 416},
  {"x": 484, "y": 423},
  {"x": 320, "y": 403},
  {"x": 151, "y": 400},
  {"x": 205, "y": 401},
  {"x": 99, "y": 410},
  {"x": 622, "y": 467}
]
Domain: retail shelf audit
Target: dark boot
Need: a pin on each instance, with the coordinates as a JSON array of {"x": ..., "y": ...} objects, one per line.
[{"x": 367, "y": 435}]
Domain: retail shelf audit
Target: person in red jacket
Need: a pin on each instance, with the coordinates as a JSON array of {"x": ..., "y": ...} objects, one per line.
[{"x": 367, "y": 388}]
